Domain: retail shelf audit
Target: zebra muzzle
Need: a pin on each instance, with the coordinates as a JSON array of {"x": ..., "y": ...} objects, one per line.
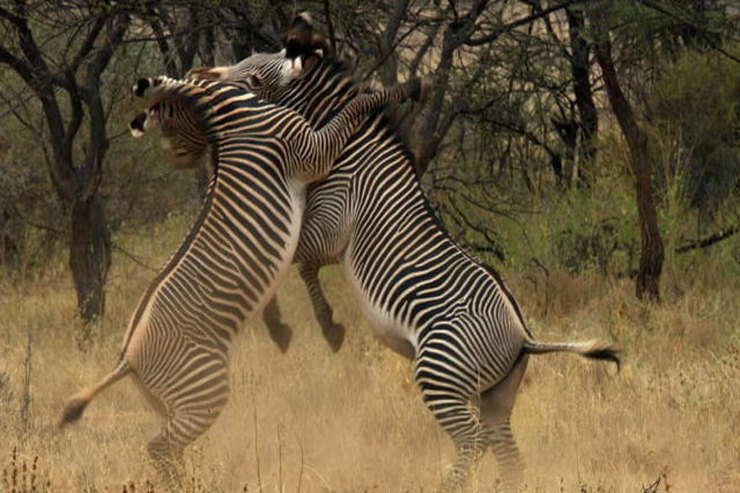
[
  {"x": 138, "y": 125},
  {"x": 140, "y": 87}
]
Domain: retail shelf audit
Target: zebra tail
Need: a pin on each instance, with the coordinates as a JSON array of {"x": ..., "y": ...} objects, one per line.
[
  {"x": 591, "y": 349},
  {"x": 76, "y": 404}
]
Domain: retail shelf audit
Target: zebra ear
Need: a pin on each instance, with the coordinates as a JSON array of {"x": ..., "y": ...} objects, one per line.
[{"x": 301, "y": 39}]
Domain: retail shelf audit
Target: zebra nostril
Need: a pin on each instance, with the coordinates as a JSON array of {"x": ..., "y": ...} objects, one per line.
[
  {"x": 140, "y": 87},
  {"x": 137, "y": 125}
]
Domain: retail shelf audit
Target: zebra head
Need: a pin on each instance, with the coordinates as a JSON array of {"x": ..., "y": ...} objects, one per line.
[
  {"x": 261, "y": 73},
  {"x": 268, "y": 74}
]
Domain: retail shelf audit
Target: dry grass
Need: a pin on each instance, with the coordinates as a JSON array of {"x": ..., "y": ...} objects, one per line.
[{"x": 315, "y": 421}]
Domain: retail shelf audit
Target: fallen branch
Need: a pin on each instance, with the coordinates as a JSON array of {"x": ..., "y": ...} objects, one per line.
[{"x": 711, "y": 240}]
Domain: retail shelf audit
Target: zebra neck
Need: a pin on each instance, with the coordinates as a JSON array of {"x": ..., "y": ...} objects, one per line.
[{"x": 321, "y": 94}]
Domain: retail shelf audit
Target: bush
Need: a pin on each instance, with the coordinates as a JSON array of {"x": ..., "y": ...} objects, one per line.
[{"x": 694, "y": 120}]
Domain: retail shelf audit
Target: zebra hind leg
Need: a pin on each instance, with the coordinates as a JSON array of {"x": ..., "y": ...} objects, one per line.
[
  {"x": 496, "y": 405},
  {"x": 183, "y": 427},
  {"x": 192, "y": 405},
  {"x": 457, "y": 415},
  {"x": 280, "y": 333},
  {"x": 333, "y": 332},
  {"x": 167, "y": 458}
]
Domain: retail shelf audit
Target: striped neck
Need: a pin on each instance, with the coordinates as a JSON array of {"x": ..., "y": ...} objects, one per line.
[{"x": 321, "y": 93}]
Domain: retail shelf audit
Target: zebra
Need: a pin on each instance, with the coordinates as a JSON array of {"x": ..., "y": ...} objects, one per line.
[
  {"x": 426, "y": 298},
  {"x": 179, "y": 338}
]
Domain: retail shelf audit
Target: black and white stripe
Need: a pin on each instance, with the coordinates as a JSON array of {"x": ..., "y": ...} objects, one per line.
[
  {"x": 178, "y": 341},
  {"x": 425, "y": 296}
]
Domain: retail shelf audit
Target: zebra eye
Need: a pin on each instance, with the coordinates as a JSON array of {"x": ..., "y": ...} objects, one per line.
[{"x": 253, "y": 82}]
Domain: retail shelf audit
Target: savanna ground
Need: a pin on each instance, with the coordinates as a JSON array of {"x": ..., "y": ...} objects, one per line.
[{"x": 311, "y": 420}]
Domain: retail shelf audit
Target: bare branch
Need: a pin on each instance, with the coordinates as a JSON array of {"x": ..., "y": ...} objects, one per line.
[
  {"x": 520, "y": 22},
  {"x": 330, "y": 26},
  {"x": 87, "y": 45}
]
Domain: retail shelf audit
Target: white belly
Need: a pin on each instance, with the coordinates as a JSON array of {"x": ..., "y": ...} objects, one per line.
[
  {"x": 297, "y": 191},
  {"x": 393, "y": 332}
]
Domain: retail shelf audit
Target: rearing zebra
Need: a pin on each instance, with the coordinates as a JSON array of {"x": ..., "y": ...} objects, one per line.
[
  {"x": 178, "y": 341},
  {"x": 426, "y": 298}
]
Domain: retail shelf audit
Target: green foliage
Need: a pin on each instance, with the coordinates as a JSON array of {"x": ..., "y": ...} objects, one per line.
[
  {"x": 581, "y": 230},
  {"x": 694, "y": 118},
  {"x": 29, "y": 214},
  {"x": 595, "y": 229}
]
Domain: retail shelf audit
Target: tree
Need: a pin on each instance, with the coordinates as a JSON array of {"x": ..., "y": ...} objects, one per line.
[
  {"x": 651, "y": 244},
  {"x": 63, "y": 50},
  {"x": 580, "y": 49}
]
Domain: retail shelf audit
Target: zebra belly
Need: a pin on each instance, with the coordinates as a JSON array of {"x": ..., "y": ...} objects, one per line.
[
  {"x": 298, "y": 201},
  {"x": 394, "y": 333},
  {"x": 144, "y": 329}
]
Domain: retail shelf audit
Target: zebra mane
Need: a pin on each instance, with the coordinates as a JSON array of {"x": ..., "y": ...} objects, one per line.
[{"x": 332, "y": 71}]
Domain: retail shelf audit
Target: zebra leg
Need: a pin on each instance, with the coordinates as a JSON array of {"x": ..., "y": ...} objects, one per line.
[
  {"x": 191, "y": 388},
  {"x": 333, "y": 332},
  {"x": 454, "y": 411},
  {"x": 280, "y": 333},
  {"x": 496, "y": 404},
  {"x": 188, "y": 419}
]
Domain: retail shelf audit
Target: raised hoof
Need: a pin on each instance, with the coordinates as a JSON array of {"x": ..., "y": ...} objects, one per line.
[
  {"x": 281, "y": 334},
  {"x": 334, "y": 335}
]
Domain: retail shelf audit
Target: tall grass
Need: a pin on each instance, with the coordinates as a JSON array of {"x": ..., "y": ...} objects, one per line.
[{"x": 311, "y": 420}]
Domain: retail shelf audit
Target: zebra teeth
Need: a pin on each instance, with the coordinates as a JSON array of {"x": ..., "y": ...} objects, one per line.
[{"x": 138, "y": 125}]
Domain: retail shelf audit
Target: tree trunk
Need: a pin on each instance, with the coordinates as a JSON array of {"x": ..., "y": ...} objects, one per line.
[
  {"x": 437, "y": 121},
  {"x": 581, "y": 71},
  {"x": 92, "y": 36},
  {"x": 89, "y": 258},
  {"x": 387, "y": 52},
  {"x": 651, "y": 257}
]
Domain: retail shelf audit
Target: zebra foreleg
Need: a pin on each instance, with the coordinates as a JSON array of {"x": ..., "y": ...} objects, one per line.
[
  {"x": 333, "y": 332},
  {"x": 280, "y": 333}
]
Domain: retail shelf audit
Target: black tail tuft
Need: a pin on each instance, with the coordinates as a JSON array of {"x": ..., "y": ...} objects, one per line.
[
  {"x": 607, "y": 353},
  {"x": 73, "y": 411}
]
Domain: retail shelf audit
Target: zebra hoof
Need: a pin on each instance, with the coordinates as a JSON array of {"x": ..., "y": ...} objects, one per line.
[
  {"x": 140, "y": 87},
  {"x": 281, "y": 334},
  {"x": 334, "y": 336}
]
